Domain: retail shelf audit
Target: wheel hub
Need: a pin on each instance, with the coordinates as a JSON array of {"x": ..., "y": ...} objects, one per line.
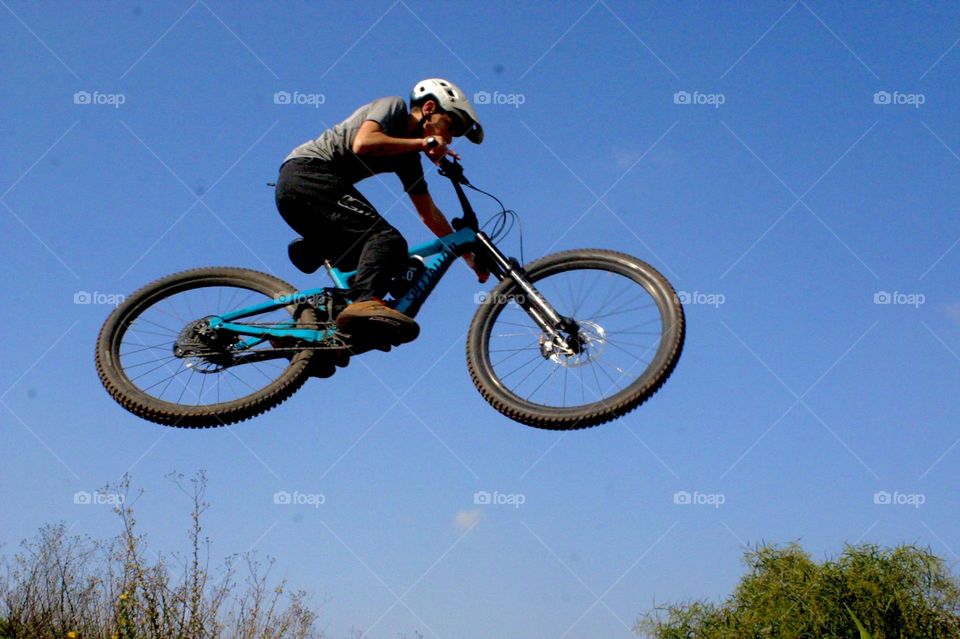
[{"x": 572, "y": 351}]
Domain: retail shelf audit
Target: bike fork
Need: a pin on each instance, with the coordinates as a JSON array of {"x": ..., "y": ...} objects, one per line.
[{"x": 539, "y": 309}]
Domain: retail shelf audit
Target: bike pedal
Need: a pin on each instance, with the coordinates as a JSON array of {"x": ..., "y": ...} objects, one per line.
[
  {"x": 321, "y": 371},
  {"x": 363, "y": 344}
]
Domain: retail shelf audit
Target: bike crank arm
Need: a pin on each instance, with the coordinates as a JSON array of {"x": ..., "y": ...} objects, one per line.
[{"x": 539, "y": 309}]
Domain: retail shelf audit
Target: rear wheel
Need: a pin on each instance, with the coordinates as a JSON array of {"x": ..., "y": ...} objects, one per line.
[
  {"x": 629, "y": 335},
  {"x": 158, "y": 357}
]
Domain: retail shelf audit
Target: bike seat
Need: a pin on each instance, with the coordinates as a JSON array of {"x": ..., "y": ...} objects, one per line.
[{"x": 306, "y": 255}]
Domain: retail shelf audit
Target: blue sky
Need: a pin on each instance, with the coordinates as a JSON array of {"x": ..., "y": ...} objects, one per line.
[{"x": 786, "y": 165}]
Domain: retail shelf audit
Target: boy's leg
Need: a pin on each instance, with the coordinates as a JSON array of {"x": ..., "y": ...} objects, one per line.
[
  {"x": 368, "y": 244},
  {"x": 331, "y": 213}
]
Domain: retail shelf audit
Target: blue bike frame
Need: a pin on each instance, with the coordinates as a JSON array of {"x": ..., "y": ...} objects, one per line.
[{"x": 437, "y": 256}]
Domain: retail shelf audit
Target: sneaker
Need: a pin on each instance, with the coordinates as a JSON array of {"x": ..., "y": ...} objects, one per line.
[{"x": 372, "y": 319}]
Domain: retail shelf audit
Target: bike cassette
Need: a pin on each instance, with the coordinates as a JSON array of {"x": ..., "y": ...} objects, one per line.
[{"x": 203, "y": 348}]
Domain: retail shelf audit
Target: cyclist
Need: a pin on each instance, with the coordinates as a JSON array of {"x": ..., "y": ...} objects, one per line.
[{"x": 316, "y": 196}]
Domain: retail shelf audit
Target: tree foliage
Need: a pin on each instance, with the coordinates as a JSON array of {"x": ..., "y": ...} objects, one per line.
[{"x": 904, "y": 592}]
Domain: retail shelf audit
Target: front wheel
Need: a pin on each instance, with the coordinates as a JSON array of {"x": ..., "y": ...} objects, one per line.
[{"x": 630, "y": 332}]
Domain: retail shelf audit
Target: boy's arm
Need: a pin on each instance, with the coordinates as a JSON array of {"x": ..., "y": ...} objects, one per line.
[
  {"x": 371, "y": 140},
  {"x": 430, "y": 214},
  {"x": 436, "y": 222}
]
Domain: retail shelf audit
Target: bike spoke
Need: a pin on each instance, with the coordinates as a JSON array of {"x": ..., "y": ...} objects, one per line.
[
  {"x": 203, "y": 380},
  {"x": 145, "y": 348},
  {"x": 171, "y": 378},
  {"x": 140, "y": 331},
  {"x": 160, "y": 326},
  {"x": 565, "y": 371},
  {"x": 524, "y": 365},
  {"x": 619, "y": 344},
  {"x": 621, "y": 310},
  {"x": 515, "y": 353},
  {"x": 167, "y": 379},
  {"x": 548, "y": 378}
]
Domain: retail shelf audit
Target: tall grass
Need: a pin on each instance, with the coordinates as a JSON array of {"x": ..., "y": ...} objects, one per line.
[{"x": 69, "y": 586}]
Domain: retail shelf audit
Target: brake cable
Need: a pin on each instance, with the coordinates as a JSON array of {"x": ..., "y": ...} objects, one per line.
[{"x": 503, "y": 221}]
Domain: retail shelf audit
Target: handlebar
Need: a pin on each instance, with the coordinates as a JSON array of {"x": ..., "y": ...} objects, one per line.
[
  {"x": 452, "y": 170},
  {"x": 487, "y": 254}
]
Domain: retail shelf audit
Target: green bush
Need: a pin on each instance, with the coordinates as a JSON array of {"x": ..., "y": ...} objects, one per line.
[{"x": 900, "y": 593}]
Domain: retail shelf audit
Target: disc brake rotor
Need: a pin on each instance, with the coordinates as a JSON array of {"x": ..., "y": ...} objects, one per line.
[{"x": 592, "y": 339}]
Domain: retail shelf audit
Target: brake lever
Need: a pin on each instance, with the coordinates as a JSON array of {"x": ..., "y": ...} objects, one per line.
[{"x": 453, "y": 170}]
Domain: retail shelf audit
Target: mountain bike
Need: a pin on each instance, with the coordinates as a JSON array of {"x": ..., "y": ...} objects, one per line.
[{"x": 571, "y": 340}]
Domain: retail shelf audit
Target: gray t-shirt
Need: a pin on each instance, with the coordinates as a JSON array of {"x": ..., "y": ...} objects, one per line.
[{"x": 335, "y": 146}]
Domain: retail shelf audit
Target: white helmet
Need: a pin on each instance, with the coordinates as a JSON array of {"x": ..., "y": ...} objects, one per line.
[{"x": 451, "y": 99}]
